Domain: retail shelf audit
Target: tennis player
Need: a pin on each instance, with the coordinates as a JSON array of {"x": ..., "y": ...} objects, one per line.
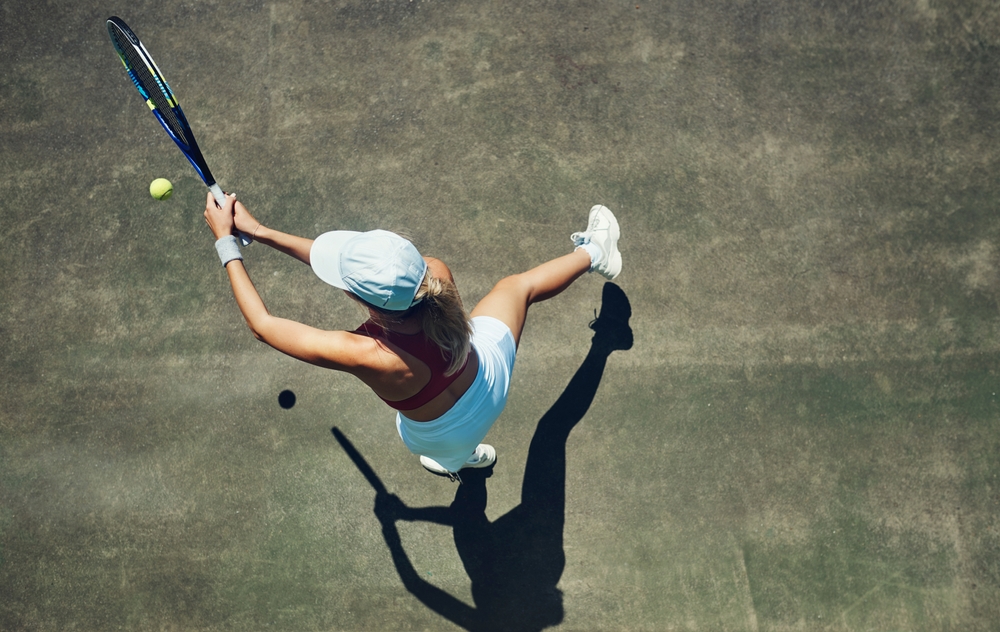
[{"x": 445, "y": 372}]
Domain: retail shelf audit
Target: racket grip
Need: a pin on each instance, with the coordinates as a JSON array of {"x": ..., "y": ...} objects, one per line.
[{"x": 220, "y": 199}]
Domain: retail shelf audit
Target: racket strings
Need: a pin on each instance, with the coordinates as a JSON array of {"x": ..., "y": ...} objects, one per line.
[{"x": 153, "y": 87}]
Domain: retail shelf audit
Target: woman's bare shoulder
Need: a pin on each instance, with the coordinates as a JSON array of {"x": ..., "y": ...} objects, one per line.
[{"x": 439, "y": 269}]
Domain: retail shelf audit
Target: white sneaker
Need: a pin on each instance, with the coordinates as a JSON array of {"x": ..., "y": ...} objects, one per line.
[
  {"x": 603, "y": 232},
  {"x": 484, "y": 456}
]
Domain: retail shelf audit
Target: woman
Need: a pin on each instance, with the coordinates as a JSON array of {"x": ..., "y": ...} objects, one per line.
[{"x": 447, "y": 375}]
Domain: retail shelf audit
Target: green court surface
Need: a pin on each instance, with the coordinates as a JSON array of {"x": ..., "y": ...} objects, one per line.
[{"x": 803, "y": 435}]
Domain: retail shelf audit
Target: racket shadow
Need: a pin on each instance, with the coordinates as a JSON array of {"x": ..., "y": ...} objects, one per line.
[{"x": 515, "y": 562}]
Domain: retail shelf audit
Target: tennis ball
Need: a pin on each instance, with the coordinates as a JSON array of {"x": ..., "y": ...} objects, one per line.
[{"x": 161, "y": 189}]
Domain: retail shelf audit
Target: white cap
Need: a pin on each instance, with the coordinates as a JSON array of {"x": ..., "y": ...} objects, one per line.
[{"x": 380, "y": 267}]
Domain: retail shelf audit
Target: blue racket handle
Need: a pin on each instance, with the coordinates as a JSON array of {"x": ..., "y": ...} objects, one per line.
[{"x": 220, "y": 199}]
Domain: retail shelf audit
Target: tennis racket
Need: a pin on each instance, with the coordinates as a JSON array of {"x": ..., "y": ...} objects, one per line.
[{"x": 153, "y": 88}]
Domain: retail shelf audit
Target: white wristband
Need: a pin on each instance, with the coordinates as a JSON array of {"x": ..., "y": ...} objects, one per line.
[{"x": 228, "y": 249}]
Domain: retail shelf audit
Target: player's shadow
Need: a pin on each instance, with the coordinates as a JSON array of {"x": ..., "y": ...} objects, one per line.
[{"x": 515, "y": 562}]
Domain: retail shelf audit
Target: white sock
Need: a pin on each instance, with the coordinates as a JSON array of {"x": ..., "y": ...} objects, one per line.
[{"x": 593, "y": 250}]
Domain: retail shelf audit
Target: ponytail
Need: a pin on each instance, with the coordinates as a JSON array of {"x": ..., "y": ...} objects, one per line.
[{"x": 444, "y": 320}]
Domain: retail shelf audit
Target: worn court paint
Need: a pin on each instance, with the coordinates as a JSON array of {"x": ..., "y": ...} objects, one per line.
[{"x": 803, "y": 436}]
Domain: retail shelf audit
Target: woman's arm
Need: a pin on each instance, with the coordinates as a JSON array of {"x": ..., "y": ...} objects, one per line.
[
  {"x": 331, "y": 349},
  {"x": 291, "y": 245}
]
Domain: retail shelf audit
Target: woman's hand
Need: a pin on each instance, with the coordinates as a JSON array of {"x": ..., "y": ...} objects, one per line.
[
  {"x": 245, "y": 222},
  {"x": 220, "y": 220}
]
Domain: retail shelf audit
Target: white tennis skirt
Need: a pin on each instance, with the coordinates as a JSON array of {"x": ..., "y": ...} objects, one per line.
[{"x": 452, "y": 438}]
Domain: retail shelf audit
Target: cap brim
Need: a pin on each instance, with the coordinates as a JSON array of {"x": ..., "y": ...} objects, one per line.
[{"x": 324, "y": 256}]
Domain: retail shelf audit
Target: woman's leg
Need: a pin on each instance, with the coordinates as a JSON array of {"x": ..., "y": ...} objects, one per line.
[
  {"x": 509, "y": 300},
  {"x": 597, "y": 250}
]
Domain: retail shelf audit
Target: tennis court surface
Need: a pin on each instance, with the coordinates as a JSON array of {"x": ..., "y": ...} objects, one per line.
[{"x": 803, "y": 434}]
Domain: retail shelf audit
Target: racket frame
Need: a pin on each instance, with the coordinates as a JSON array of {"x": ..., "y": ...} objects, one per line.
[{"x": 188, "y": 147}]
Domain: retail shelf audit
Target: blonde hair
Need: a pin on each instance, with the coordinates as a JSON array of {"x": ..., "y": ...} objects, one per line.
[
  {"x": 442, "y": 318},
  {"x": 444, "y": 321}
]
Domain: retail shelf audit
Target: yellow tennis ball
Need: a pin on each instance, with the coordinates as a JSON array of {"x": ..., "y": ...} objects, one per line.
[{"x": 161, "y": 189}]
